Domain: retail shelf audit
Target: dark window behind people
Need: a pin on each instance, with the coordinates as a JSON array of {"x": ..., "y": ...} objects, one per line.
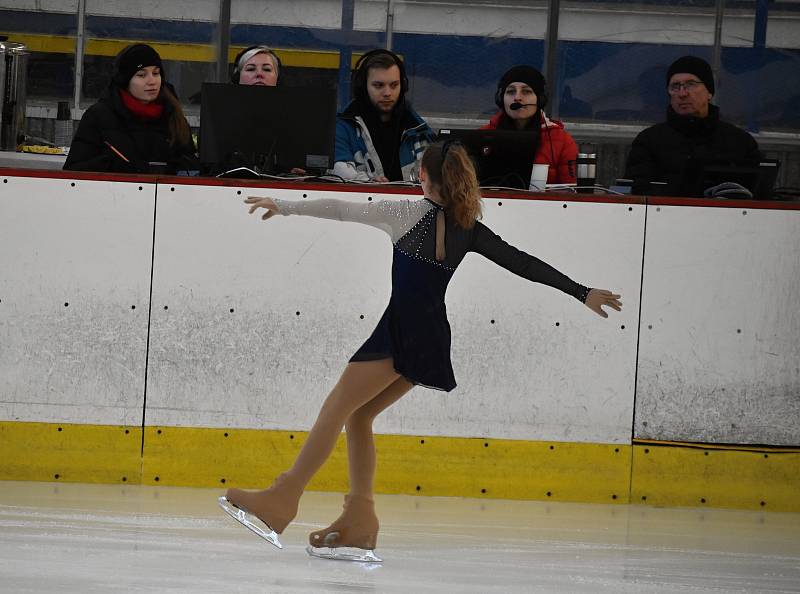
[
  {"x": 693, "y": 130},
  {"x": 379, "y": 137},
  {"x": 137, "y": 126},
  {"x": 522, "y": 96}
]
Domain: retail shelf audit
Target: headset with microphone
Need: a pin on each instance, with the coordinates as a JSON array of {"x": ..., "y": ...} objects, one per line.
[
  {"x": 358, "y": 81},
  {"x": 263, "y": 49},
  {"x": 541, "y": 103},
  {"x": 541, "y": 99}
]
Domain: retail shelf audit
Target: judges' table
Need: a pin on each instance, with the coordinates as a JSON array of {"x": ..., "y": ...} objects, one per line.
[{"x": 11, "y": 160}]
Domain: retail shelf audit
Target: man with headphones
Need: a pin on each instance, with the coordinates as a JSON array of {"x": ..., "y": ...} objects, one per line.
[
  {"x": 379, "y": 137},
  {"x": 522, "y": 96}
]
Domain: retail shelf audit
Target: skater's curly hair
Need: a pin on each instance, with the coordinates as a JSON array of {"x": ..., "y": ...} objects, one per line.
[{"x": 452, "y": 174}]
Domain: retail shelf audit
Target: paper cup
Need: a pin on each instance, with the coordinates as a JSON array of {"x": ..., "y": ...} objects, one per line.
[{"x": 539, "y": 177}]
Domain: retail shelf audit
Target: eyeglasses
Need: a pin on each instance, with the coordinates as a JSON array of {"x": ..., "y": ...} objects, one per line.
[{"x": 689, "y": 85}]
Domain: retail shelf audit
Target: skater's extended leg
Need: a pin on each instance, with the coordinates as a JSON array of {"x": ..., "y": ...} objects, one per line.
[
  {"x": 358, "y": 524},
  {"x": 360, "y": 382}
]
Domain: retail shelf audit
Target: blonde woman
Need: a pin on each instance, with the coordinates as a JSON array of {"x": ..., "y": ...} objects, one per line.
[{"x": 256, "y": 65}]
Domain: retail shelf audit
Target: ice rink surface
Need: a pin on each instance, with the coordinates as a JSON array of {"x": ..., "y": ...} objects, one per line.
[{"x": 61, "y": 537}]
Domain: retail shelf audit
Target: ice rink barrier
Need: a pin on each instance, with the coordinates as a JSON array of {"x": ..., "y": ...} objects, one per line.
[{"x": 152, "y": 331}]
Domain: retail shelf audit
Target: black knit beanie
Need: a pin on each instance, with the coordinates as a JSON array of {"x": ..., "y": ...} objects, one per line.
[
  {"x": 132, "y": 59},
  {"x": 525, "y": 74},
  {"x": 693, "y": 65}
]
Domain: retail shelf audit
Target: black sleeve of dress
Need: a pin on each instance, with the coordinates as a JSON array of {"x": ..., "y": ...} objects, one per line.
[{"x": 490, "y": 245}]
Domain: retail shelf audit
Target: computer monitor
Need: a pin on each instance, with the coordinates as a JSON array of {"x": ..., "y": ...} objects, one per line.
[
  {"x": 268, "y": 129},
  {"x": 758, "y": 176},
  {"x": 503, "y": 158}
]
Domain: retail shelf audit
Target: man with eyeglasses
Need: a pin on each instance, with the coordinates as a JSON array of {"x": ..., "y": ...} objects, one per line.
[{"x": 693, "y": 130}]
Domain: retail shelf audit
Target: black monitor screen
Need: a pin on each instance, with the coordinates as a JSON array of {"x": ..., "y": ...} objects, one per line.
[
  {"x": 269, "y": 129},
  {"x": 702, "y": 173},
  {"x": 502, "y": 158}
]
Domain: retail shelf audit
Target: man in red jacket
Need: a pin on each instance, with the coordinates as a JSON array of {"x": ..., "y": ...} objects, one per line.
[{"x": 522, "y": 96}]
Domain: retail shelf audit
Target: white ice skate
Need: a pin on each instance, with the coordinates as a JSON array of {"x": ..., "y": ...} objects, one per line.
[
  {"x": 352, "y": 537},
  {"x": 248, "y": 520},
  {"x": 344, "y": 554},
  {"x": 355, "y": 554}
]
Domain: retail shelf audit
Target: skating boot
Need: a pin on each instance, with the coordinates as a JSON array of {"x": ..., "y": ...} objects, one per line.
[
  {"x": 352, "y": 537},
  {"x": 274, "y": 508}
]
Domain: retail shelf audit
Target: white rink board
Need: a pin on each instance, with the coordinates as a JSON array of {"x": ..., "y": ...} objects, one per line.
[
  {"x": 721, "y": 292},
  {"x": 523, "y": 377},
  {"x": 264, "y": 366},
  {"x": 87, "y": 244}
]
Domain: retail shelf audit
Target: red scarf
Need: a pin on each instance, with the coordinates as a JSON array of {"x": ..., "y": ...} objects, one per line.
[{"x": 143, "y": 111}]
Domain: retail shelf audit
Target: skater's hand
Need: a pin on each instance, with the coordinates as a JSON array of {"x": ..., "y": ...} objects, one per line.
[
  {"x": 597, "y": 298},
  {"x": 267, "y": 204}
]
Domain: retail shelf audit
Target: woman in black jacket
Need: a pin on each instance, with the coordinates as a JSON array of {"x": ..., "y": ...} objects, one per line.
[{"x": 137, "y": 126}]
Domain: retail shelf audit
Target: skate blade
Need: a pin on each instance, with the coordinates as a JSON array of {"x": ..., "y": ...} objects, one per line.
[
  {"x": 248, "y": 520},
  {"x": 353, "y": 554}
]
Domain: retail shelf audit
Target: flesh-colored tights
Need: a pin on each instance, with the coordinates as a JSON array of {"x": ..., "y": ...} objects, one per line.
[{"x": 365, "y": 389}]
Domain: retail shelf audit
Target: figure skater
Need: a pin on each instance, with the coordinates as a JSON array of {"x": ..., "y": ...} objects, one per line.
[{"x": 410, "y": 345}]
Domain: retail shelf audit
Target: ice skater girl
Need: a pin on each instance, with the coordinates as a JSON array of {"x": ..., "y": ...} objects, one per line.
[{"x": 410, "y": 345}]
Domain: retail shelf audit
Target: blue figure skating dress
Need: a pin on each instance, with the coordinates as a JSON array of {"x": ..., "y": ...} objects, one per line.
[{"x": 414, "y": 330}]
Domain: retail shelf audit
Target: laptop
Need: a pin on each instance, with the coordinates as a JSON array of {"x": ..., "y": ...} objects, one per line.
[
  {"x": 503, "y": 158},
  {"x": 758, "y": 177}
]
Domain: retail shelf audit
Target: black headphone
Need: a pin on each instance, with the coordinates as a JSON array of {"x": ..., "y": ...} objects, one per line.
[
  {"x": 266, "y": 50},
  {"x": 358, "y": 81},
  {"x": 541, "y": 103},
  {"x": 541, "y": 99},
  {"x": 448, "y": 144}
]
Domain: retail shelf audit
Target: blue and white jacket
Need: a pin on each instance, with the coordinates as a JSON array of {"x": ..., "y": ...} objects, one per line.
[{"x": 355, "y": 157}]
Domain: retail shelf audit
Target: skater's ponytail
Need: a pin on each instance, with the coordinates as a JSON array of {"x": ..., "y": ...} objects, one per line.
[{"x": 452, "y": 174}]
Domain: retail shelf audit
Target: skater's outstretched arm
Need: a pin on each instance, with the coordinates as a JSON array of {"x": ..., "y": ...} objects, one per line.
[
  {"x": 490, "y": 245},
  {"x": 394, "y": 216}
]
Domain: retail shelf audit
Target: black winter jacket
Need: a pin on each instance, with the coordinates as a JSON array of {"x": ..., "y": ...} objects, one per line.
[
  {"x": 660, "y": 152},
  {"x": 141, "y": 141}
]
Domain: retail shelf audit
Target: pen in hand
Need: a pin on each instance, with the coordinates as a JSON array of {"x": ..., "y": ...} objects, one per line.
[{"x": 119, "y": 154}]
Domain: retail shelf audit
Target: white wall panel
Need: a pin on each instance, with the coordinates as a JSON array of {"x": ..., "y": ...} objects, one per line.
[
  {"x": 325, "y": 14},
  {"x": 74, "y": 286},
  {"x": 524, "y": 20},
  {"x": 719, "y": 355},
  {"x": 263, "y": 365},
  {"x": 523, "y": 376},
  {"x": 68, "y": 6},
  {"x": 179, "y": 10}
]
